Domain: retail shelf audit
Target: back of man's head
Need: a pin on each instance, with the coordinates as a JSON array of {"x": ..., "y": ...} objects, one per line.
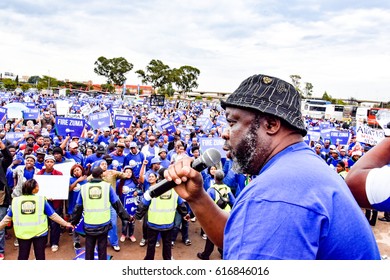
[
  {"x": 97, "y": 172},
  {"x": 219, "y": 175}
]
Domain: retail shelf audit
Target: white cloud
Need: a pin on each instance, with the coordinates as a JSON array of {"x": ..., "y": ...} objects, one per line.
[{"x": 337, "y": 48}]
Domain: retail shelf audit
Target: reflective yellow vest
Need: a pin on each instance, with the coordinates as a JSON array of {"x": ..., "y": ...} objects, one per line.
[
  {"x": 223, "y": 189},
  {"x": 29, "y": 216},
  {"x": 96, "y": 202},
  {"x": 162, "y": 209}
]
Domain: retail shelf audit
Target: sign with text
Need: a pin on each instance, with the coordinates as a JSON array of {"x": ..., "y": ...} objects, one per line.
[
  {"x": 100, "y": 119},
  {"x": 69, "y": 126},
  {"x": 31, "y": 114},
  {"x": 212, "y": 142},
  {"x": 339, "y": 137},
  {"x": 369, "y": 135},
  {"x": 166, "y": 124},
  {"x": 123, "y": 121},
  {"x": 14, "y": 136}
]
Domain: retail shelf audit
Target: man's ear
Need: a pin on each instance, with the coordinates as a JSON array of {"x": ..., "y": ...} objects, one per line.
[{"x": 272, "y": 124}]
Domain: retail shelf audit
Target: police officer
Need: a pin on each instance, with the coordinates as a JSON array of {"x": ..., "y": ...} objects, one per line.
[
  {"x": 94, "y": 200},
  {"x": 29, "y": 214}
]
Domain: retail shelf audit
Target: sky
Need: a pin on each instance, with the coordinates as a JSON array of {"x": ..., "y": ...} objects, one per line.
[{"x": 340, "y": 47}]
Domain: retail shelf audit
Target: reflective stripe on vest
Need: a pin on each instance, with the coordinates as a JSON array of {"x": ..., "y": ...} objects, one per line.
[
  {"x": 96, "y": 202},
  {"x": 29, "y": 216},
  {"x": 162, "y": 209}
]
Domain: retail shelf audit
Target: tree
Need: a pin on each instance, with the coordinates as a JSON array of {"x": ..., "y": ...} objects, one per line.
[
  {"x": 308, "y": 90},
  {"x": 296, "y": 81},
  {"x": 17, "y": 80},
  {"x": 9, "y": 84},
  {"x": 186, "y": 78},
  {"x": 33, "y": 80},
  {"x": 47, "y": 82},
  {"x": 157, "y": 74},
  {"x": 114, "y": 69}
]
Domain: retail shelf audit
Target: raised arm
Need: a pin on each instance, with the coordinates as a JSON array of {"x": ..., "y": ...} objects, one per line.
[{"x": 377, "y": 157}]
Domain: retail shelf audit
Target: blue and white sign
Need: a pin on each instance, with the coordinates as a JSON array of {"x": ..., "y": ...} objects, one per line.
[
  {"x": 339, "y": 137},
  {"x": 123, "y": 121},
  {"x": 68, "y": 126},
  {"x": 212, "y": 142},
  {"x": 3, "y": 114},
  {"x": 14, "y": 136},
  {"x": 30, "y": 105},
  {"x": 166, "y": 124},
  {"x": 31, "y": 114},
  {"x": 100, "y": 119}
]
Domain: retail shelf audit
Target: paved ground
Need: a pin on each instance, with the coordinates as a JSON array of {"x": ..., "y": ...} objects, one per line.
[{"x": 132, "y": 251}]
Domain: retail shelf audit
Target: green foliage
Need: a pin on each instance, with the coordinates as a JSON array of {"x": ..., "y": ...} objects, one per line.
[
  {"x": 308, "y": 90},
  {"x": 108, "y": 87},
  {"x": 296, "y": 81},
  {"x": 157, "y": 74},
  {"x": 9, "y": 84},
  {"x": 114, "y": 69},
  {"x": 33, "y": 80},
  {"x": 47, "y": 82},
  {"x": 161, "y": 77},
  {"x": 25, "y": 86},
  {"x": 186, "y": 78}
]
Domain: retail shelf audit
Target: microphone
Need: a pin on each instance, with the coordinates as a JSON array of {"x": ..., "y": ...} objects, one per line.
[{"x": 209, "y": 158}]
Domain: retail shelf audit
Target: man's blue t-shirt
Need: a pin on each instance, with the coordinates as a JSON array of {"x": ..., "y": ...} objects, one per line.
[{"x": 298, "y": 208}]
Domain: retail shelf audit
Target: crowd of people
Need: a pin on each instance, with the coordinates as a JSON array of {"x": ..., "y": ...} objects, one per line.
[{"x": 258, "y": 196}]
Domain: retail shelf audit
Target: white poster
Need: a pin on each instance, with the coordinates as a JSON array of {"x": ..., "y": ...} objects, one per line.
[{"x": 53, "y": 186}]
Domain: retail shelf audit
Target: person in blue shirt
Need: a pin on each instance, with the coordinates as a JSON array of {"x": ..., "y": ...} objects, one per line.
[
  {"x": 103, "y": 138},
  {"x": 118, "y": 155},
  {"x": 288, "y": 211},
  {"x": 74, "y": 154},
  {"x": 160, "y": 218},
  {"x": 98, "y": 155},
  {"x": 77, "y": 179},
  {"x": 96, "y": 213},
  {"x": 129, "y": 191},
  {"x": 135, "y": 159},
  {"x": 31, "y": 233}
]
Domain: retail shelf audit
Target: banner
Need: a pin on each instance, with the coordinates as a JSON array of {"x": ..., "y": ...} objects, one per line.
[
  {"x": 123, "y": 121},
  {"x": 369, "y": 135},
  {"x": 31, "y": 114},
  {"x": 212, "y": 142},
  {"x": 69, "y": 126},
  {"x": 99, "y": 120}
]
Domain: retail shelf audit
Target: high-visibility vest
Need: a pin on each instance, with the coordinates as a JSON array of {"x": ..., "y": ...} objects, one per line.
[
  {"x": 29, "y": 216},
  {"x": 96, "y": 202},
  {"x": 223, "y": 189},
  {"x": 162, "y": 209}
]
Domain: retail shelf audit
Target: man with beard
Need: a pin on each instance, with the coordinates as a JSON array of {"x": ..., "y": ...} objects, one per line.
[{"x": 287, "y": 211}]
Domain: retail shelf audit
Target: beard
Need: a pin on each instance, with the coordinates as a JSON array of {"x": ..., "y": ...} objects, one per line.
[{"x": 249, "y": 155}]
